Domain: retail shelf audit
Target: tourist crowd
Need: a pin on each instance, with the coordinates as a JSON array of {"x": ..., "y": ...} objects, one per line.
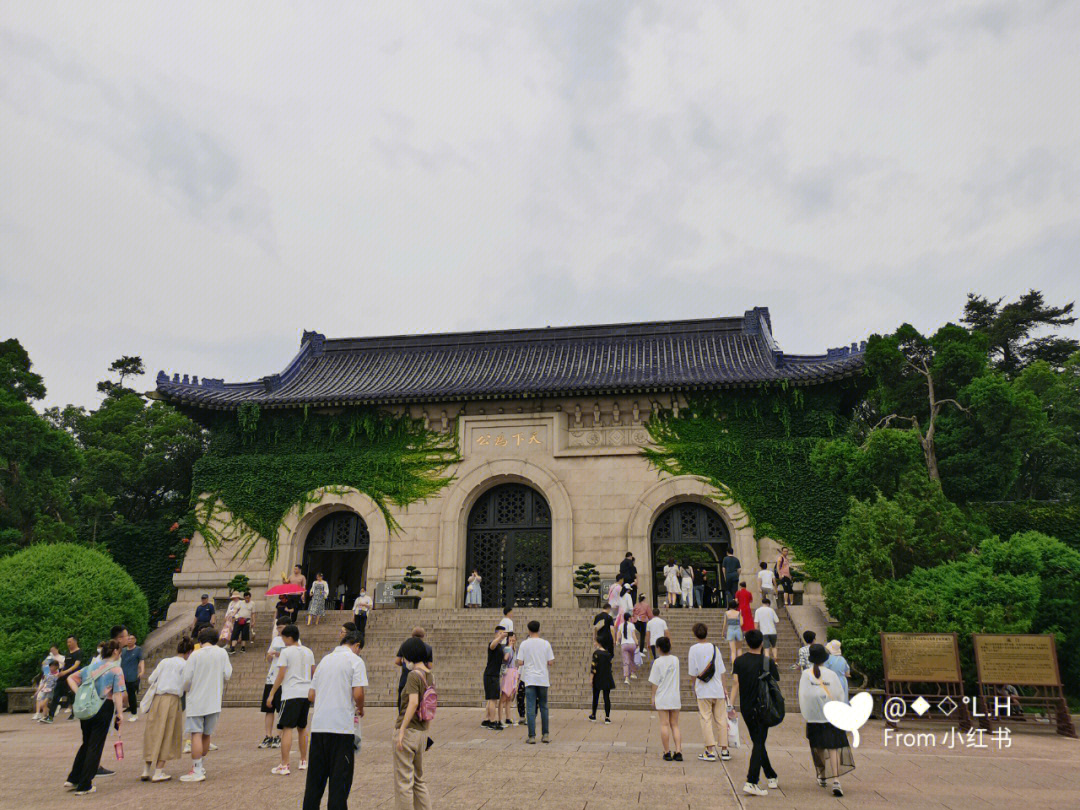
[{"x": 321, "y": 706}]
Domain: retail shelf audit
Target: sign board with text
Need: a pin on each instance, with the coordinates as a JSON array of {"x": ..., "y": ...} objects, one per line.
[
  {"x": 1020, "y": 660},
  {"x": 384, "y": 593},
  {"x": 921, "y": 657}
]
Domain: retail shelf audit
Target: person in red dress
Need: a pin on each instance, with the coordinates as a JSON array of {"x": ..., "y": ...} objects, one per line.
[{"x": 744, "y": 598}]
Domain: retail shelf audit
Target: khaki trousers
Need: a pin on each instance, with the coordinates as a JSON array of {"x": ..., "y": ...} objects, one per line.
[
  {"x": 712, "y": 712},
  {"x": 410, "y": 789}
]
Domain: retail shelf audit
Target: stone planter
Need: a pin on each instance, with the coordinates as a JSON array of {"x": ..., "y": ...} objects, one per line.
[
  {"x": 20, "y": 699},
  {"x": 406, "y": 602},
  {"x": 588, "y": 600}
]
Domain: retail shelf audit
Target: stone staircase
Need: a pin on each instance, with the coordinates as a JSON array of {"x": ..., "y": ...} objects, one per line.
[{"x": 459, "y": 638}]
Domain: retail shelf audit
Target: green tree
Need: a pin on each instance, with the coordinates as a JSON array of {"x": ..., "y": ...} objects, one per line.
[
  {"x": 914, "y": 378},
  {"x": 1050, "y": 457},
  {"x": 37, "y": 461},
  {"x": 126, "y": 366},
  {"x": 1009, "y": 329}
]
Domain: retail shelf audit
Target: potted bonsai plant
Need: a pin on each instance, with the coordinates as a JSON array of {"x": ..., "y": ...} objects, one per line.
[
  {"x": 587, "y": 586},
  {"x": 412, "y": 581}
]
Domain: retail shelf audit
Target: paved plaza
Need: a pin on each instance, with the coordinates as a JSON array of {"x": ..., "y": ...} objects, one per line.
[{"x": 586, "y": 766}]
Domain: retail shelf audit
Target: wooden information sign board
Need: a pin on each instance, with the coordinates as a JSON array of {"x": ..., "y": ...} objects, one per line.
[
  {"x": 923, "y": 678},
  {"x": 1015, "y": 671}
]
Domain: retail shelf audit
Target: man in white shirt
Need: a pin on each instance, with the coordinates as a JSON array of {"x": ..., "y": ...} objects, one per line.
[
  {"x": 767, "y": 581},
  {"x": 705, "y": 666},
  {"x": 507, "y": 622},
  {"x": 765, "y": 619},
  {"x": 205, "y": 674},
  {"x": 244, "y": 623},
  {"x": 293, "y": 680},
  {"x": 360, "y": 609},
  {"x": 277, "y": 644},
  {"x": 337, "y": 692},
  {"x": 534, "y": 656},
  {"x": 655, "y": 628}
]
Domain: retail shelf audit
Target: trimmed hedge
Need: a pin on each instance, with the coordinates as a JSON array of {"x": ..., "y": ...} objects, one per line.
[{"x": 49, "y": 592}]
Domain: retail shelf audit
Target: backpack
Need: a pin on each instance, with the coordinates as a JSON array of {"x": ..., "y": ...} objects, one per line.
[
  {"x": 429, "y": 701},
  {"x": 769, "y": 707},
  {"x": 87, "y": 701}
]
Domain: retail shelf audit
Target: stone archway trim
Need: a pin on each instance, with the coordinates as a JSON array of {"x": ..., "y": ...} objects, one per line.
[
  {"x": 691, "y": 488},
  {"x": 316, "y": 505},
  {"x": 472, "y": 481}
]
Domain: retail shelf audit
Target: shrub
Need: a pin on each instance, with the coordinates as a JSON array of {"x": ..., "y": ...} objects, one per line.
[{"x": 49, "y": 592}]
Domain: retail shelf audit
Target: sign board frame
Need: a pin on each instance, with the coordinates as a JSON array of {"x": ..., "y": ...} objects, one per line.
[
  {"x": 908, "y": 687},
  {"x": 1047, "y": 694},
  {"x": 383, "y": 594}
]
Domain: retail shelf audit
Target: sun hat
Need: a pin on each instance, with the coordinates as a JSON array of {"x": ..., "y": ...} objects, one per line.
[{"x": 833, "y": 647}]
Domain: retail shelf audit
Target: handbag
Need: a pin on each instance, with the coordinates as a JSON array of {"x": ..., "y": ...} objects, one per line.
[{"x": 148, "y": 699}]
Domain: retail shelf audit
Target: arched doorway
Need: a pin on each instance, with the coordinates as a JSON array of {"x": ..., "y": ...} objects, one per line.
[
  {"x": 338, "y": 546},
  {"x": 509, "y": 544},
  {"x": 690, "y": 533}
]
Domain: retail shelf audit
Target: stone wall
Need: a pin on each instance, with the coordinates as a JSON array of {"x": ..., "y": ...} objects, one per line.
[{"x": 583, "y": 456}]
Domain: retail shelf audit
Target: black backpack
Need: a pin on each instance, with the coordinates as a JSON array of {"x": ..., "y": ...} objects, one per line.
[{"x": 769, "y": 707}]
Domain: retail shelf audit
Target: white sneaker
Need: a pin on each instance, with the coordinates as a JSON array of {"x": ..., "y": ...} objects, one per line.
[
  {"x": 213, "y": 747},
  {"x": 626, "y": 681},
  {"x": 133, "y": 719},
  {"x": 754, "y": 790},
  {"x": 773, "y": 783},
  {"x": 280, "y": 770},
  {"x": 193, "y": 776},
  {"x": 303, "y": 765},
  {"x": 187, "y": 746}
]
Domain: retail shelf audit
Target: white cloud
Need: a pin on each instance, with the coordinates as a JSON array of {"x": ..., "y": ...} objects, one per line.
[{"x": 198, "y": 185}]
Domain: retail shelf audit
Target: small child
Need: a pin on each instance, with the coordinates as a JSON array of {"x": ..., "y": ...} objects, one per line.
[
  {"x": 802, "y": 660},
  {"x": 45, "y": 691}
]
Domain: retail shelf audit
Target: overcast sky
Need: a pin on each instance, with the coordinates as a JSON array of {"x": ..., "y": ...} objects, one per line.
[{"x": 197, "y": 183}]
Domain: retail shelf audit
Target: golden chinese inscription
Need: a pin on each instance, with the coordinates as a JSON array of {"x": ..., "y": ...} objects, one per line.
[
  {"x": 506, "y": 439},
  {"x": 921, "y": 657},
  {"x": 1020, "y": 660}
]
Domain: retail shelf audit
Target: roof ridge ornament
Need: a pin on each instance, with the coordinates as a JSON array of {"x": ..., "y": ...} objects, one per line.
[{"x": 316, "y": 340}]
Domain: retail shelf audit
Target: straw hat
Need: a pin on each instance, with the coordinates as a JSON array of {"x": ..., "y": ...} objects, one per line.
[
  {"x": 833, "y": 647},
  {"x": 235, "y": 595}
]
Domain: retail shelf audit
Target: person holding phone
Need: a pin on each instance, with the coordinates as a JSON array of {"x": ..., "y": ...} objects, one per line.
[{"x": 108, "y": 681}]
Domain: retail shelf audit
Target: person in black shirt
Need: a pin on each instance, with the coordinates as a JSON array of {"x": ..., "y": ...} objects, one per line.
[
  {"x": 731, "y": 569},
  {"x": 603, "y": 627},
  {"x": 72, "y": 663},
  {"x": 602, "y": 680},
  {"x": 628, "y": 570},
  {"x": 495, "y": 655},
  {"x": 747, "y": 669}
]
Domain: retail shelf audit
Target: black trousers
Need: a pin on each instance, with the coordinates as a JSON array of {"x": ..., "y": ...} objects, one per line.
[
  {"x": 640, "y": 626},
  {"x": 94, "y": 732},
  {"x": 360, "y": 620},
  {"x": 331, "y": 758},
  {"x": 596, "y": 692},
  {"x": 759, "y": 757},
  {"x": 520, "y": 701},
  {"x": 59, "y": 692},
  {"x": 133, "y": 696}
]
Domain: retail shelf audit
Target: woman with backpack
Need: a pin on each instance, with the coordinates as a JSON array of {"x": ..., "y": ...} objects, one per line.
[
  {"x": 99, "y": 700},
  {"x": 415, "y": 711},
  {"x": 829, "y": 747}
]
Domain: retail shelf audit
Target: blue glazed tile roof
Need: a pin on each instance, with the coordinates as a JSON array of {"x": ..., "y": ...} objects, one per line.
[{"x": 563, "y": 361}]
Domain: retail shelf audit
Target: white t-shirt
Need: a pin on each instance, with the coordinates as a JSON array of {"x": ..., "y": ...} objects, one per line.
[
  {"x": 507, "y": 624},
  {"x": 697, "y": 660},
  {"x": 244, "y": 610},
  {"x": 626, "y": 633},
  {"x": 333, "y": 682},
  {"x": 205, "y": 673},
  {"x": 765, "y": 618},
  {"x": 298, "y": 661},
  {"x": 655, "y": 628},
  {"x": 534, "y": 655},
  {"x": 765, "y": 577},
  {"x": 665, "y": 676},
  {"x": 168, "y": 676},
  {"x": 362, "y": 603},
  {"x": 276, "y": 646}
]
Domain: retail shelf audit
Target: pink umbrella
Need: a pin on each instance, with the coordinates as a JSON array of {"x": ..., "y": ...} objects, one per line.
[{"x": 285, "y": 587}]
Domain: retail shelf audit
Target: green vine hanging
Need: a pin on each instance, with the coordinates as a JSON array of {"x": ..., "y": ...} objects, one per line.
[
  {"x": 754, "y": 446},
  {"x": 260, "y": 466}
]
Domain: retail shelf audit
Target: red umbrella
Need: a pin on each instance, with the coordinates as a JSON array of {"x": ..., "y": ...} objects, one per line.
[{"x": 285, "y": 587}]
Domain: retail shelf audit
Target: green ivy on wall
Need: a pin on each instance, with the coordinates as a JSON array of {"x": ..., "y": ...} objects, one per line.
[
  {"x": 1006, "y": 518},
  {"x": 261, "y": 465},
  {"x": 754, "y": 446}
]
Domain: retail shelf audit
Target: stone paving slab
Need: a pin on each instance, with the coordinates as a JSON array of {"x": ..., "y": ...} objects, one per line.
[{"x": 587, "y": 766}]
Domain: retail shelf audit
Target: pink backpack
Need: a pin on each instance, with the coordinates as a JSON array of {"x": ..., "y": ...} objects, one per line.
[{"x": 429, "y": 701}]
